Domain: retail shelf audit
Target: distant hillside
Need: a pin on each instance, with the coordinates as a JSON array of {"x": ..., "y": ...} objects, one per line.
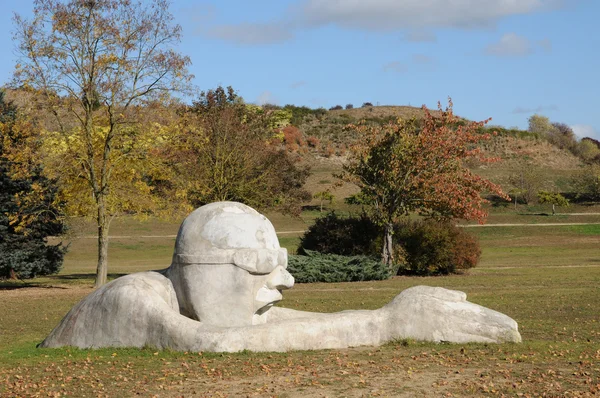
[
  {"x": 319, "y": 130},
  {"x": 322, "y": 139},
  {"x": 383, "y": 112},
  {"x": 330, "y": 126}
]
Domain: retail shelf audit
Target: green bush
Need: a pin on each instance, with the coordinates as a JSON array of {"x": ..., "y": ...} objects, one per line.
[
  {"x": 436, "y": 248},
  {"x": 421, "y": 247},
  {"x": 349, "y": 236},
  {"x": 318, "y": 267},
  {"x": 28, "y": 257},
  {"x": 587, "y": 183}
]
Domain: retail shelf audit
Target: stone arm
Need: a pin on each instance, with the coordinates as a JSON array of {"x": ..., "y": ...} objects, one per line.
[
  {"x": 141, "y": 310},
  {"x": 425, "y": 313}
]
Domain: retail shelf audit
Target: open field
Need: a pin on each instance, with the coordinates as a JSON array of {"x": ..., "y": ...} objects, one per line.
[
  {"x": 545, "y": 277},
  {"x": 143, "y": 245}
]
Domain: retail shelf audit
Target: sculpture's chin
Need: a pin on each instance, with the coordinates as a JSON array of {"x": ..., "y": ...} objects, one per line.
[
  {"x": 260, "y": 316},
  {"x": 265, "y": 299}
]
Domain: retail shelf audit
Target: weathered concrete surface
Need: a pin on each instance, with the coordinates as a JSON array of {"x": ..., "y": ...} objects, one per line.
[
  {"x": 438, "y": 314},
  {"x": 228, "y": 268},
  {"x": 218, "y": 294},
  {"x": 140, "y": 310}
]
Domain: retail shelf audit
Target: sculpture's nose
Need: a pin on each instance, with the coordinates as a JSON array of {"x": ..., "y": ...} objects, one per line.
[{"x": 280, "y": 279}]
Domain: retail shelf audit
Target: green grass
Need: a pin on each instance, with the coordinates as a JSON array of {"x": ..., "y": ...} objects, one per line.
[
  {"x": 556, "y": 309},
  {"x": 290, "y": 243},
  {"x": 539, "y": 246},
  {"x": 593, "y": 230},
  {"x": 546, "y": 278}
]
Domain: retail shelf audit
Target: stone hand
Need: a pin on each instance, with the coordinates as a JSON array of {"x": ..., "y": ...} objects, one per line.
[{"x": 437, "y": 314}]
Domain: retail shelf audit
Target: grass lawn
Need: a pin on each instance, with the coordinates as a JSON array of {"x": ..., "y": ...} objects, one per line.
[{"x": 546, "y": 278}]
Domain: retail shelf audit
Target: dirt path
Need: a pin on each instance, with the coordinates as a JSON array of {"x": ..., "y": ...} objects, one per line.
[
  {"x": 550, "y": 224},
  {"x": 302, "y": 231},
  {"x": 164, "y": 236}
]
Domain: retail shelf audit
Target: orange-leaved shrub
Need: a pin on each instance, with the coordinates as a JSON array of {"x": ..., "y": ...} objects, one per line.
[
  {"x": 293, "y": 138},
  {"x": 436, "y": 248},
  {"x": 313, "y": 141}
]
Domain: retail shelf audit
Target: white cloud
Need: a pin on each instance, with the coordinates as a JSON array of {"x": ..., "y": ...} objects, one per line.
[
  {"x": 545, "y": 44},
  {"x": 198, "y": 14},
  {"x": 266, "y": 97},
  {"x": 298, "y": 84},
  {"x": 395, "y": 66},
  {"x": 414, "y": 18},
  {"x": 539, "y": 109},
  {"x": 395, "y": 15},
  {"x": 318, "y": 101},
  {"x": 510, "y": 45},
  {"x": 585, "y": 130},
  {"x": 422, "y": 59},
  {"x": 420, "y": 36},
  {"x": 251, "y": 33}
]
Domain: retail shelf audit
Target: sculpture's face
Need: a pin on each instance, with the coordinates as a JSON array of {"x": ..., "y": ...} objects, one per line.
[
  {"x": 227, "y": 295},
  {"x": 228, "y": 268}
]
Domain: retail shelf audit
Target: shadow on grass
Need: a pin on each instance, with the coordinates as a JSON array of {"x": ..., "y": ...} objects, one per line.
[
  {"x": 82, "y": 277},
  {"x": 6, "y": 285},
  {"x": 47, "y": 283},
  {"x": 312, "y": 208}
]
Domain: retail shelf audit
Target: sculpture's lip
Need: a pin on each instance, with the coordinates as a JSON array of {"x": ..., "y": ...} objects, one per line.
[{"x": 266, "y": 307}]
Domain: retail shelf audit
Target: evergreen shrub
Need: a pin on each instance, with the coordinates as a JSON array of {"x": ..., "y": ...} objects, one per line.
[
  {"x": 318, "y": 267},
  {"x": 421, "y": 247},
  {"x": 24, "y": 249},
  {"x": 27, "y": 257}
]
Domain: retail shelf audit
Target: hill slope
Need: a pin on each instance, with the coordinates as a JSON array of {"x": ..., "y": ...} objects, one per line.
[{"x": 323, "y": 139}]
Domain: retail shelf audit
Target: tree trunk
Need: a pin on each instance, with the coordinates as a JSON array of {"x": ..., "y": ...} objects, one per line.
[
  {"x": 553, "y": 209},
  {"x": 102, "y": 268},
  {"x": 387, "y": 254}
]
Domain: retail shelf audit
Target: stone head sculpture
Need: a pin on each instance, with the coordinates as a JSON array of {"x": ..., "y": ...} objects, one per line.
[
  {"x": 228, "y": 268},
  {"x": 227, "y": 272}
]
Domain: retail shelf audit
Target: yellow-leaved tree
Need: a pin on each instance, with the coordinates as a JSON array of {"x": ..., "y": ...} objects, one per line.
[
  {"x": 97, "y": 64},
  {"x": 223, "y": 149}
]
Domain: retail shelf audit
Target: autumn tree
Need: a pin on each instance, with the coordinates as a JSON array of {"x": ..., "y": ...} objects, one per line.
[
  {"x": 419, "y": 165},
  {"x": 553, "y": 198},
  {"x": 230, "y": 150},
  {"x": 30, "y": 211},
  {"x": 96, "y": 62},
  {"x": 588, "y": 150},
  {"x": 564, "y": 137},
  {"x": 323, "y": 196},
  {"x": 587, "y": 183},
  {"x": 541, "y": 125},
  {"x": 526, "y": 180}
]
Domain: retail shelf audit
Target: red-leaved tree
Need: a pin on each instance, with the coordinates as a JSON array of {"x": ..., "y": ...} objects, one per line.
[{"x": 419, "y": 166}]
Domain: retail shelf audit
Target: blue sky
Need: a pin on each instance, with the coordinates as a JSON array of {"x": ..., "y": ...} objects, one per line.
[{"x": 505, "y": 59}]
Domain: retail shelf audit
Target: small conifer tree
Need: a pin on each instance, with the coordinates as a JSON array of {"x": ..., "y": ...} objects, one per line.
[{"x": 29, "y": 211}]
